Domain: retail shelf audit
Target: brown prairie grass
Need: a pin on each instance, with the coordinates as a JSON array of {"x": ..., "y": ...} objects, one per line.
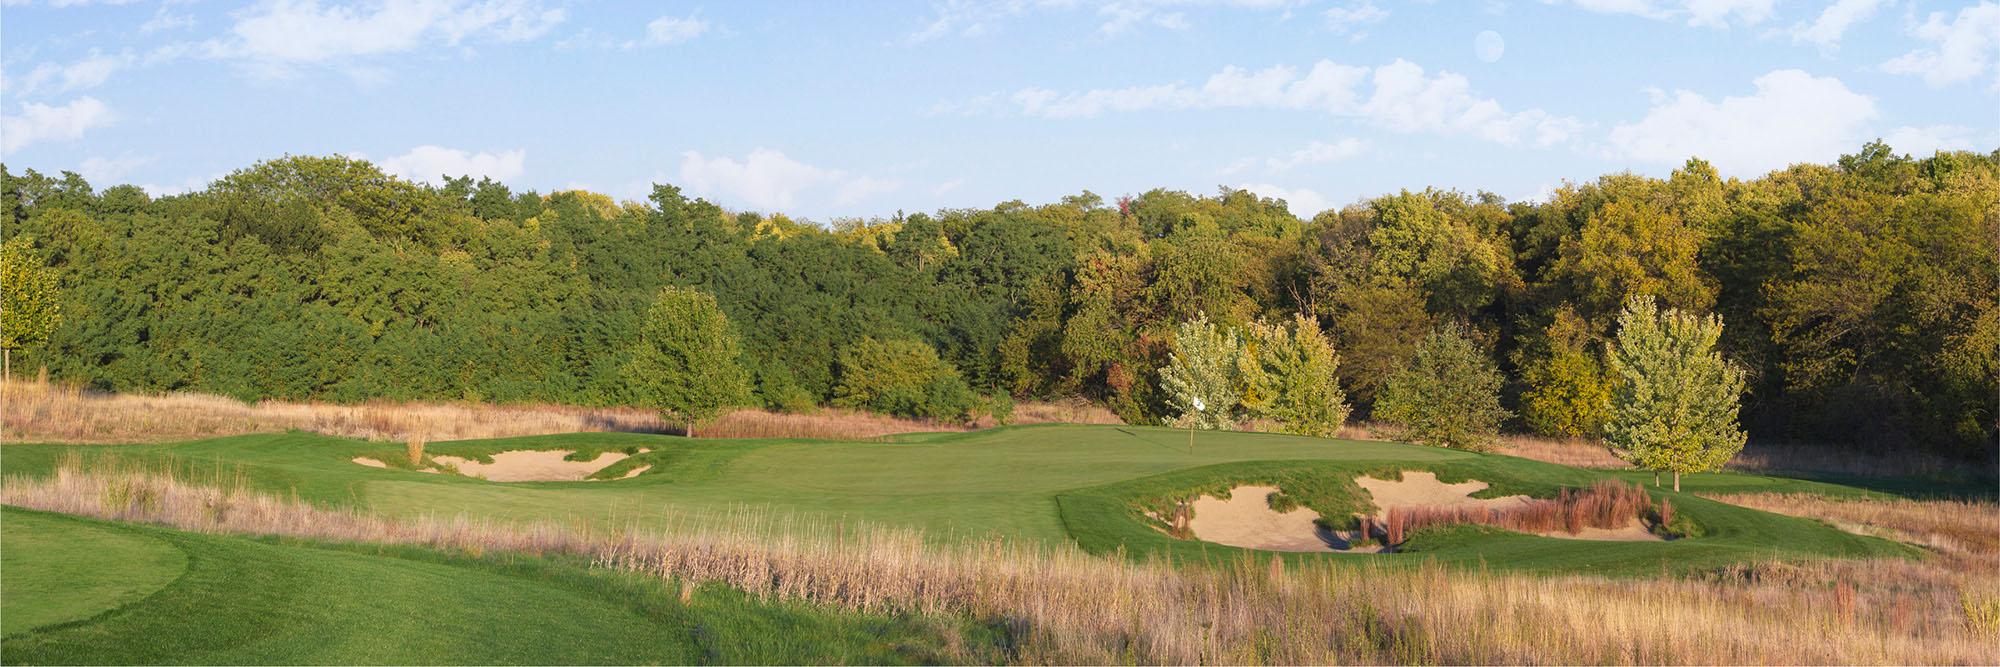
[
  {"x": 1756, "y": 457},
  {"x": 1964, "y": 529},
  {"x": 1063, "y": 606},
  {"x": 43, "y": 411},
  {"x": 1606, "y": 504}
]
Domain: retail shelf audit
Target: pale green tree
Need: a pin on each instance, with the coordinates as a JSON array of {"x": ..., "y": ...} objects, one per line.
[
  {"x": 1204, "y": 378},
  {"x": 1448, "y": 395},
  {"x": 29, "y": 305},
  {"x": 1293, "y": 377},
  {"x": 1674, "y": 399},
  {"x": 685, "y": 363}
]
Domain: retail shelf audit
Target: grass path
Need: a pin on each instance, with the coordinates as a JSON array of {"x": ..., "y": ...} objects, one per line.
[{"x": 242, "y": 601}]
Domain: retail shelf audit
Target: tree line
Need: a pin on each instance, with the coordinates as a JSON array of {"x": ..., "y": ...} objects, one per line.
[{"x": 1858, "y": 297}]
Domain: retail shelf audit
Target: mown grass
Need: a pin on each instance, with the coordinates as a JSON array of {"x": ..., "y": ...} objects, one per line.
[
  {"x": 287, "y": 601},
  {"x": 1111, "y": 518},
  {"x": 56, "y": 569}
]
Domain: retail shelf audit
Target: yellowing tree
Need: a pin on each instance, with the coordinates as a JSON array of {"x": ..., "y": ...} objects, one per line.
[
  {"x": 1674, "y": 398},
  {"x": 29, "y": 310},
  {"x": 1293, "y": 378}
]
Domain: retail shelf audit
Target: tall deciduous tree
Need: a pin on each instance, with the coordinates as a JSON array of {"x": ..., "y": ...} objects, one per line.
[
  {"x": 685, "y": 362},
  {"x": 29, "y": 309},
  {"x": 1674, "y": 398},
  {"x": 1204, "y": 378},
  {"x": 1293, "y": 378},
  {"x": 1448, "y": 395}
]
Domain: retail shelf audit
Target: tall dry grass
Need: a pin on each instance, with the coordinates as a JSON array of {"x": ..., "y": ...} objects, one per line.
[
  {"x": 1756, "y": 457},
  {"x": 42, "y": 411},
  {"x": 1962, "y": 529},
  {"x": 1606, "y": 504},
  {"x": 1063, "y": 606}
]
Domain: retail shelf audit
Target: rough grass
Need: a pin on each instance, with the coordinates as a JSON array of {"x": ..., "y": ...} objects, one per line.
[
  {"x": 41, "y": 411},
  {"x": 1606, "y": 504},
  {"x": 1059, "y": 605}
]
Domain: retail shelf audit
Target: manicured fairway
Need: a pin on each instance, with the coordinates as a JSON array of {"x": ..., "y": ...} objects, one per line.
[
  {"x": 242, "y": 601},
  {"x": 1058, "y": 484},
  {"x": 73, "y": 570}
]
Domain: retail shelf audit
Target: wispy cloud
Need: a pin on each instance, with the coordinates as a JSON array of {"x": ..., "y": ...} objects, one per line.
[
  {"x": 40, "y": 122},
  {"x": 1400, "y": 97},
  {"x": 1960, "y": 47}
]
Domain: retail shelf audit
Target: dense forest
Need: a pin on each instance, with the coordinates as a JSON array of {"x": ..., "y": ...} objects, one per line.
[{"x": 1859, "y": 296}]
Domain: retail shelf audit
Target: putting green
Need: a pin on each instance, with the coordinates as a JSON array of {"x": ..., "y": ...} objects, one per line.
[{"x": 100, "y": 567}]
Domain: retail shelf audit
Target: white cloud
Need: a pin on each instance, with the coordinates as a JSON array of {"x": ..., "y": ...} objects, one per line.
[
  {"x": 301, "y": 31},
  {"x": 1793, "y": 117},
  {"x": 1833, "y": 22},
  {"x": 673, "y": 30},
  {"x": 40, "y": 122},
  {"x": 102, "y": 172},
  {"x": 1711, "y": 13},
  {"x": 166, "y": 20},
  {"x": 90, "y": 72},
  {"x": 430, "y": 164},
  {"x": 1927, "y": 141},
  {"x": 1404, "y": 99},
  {"x": 1961, "y": 47},
  {"x": 1301, "y": 202},
  {"x": 766, "y": 179},
  {"x": 864, "y": 188},
  {"x": 975, "y": 18},
  {"x": 1349, "y": 19},
  {"x": 1319, "y": 151},
  {"x": 948, "y": 186}
]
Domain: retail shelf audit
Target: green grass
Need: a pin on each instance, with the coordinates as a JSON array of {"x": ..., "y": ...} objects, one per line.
[
  {"x": 243, "y": 601},
  {"x": 73, "y": 570},
  {"x": 1058, "y": 484},
  {"x": 1106, "y": 519}
]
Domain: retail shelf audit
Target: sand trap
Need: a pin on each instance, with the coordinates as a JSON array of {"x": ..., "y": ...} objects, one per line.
[
  {"x": 1422, "y": 490},
  {"x": 372, "y": 463},
  {"x": 1247, "y": 520},
  {"x": 530, "y": 466}
]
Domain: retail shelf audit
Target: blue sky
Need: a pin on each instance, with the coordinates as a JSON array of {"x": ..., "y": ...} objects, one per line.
[{"x": 835, "y": 110}]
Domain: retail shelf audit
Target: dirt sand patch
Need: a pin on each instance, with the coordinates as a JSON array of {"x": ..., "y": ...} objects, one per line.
[
  {"x": 528, "y": 465},
  {"x": 372, "y": 463},
  {"x": 1247, "y": 520},
  {"x": 1422, "y": 490}
]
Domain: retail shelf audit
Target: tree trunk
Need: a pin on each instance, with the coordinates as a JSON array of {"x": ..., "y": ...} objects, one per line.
[
  {"x": 1677, "y": 481},
  {"x": 1656, "y": 479}
]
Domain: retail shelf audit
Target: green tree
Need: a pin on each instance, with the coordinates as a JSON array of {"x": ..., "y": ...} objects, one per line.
[
  {"x": 685, "y": 362},
  {"x": 1204, "y": 377},
  {"x": 1448, "y": 395},
  {"x": 1294, "y": 377},
  {"x": 1567, "y": 393},
  {"x": 1674, "y": 398},
  {"x": 904, "y": 377},
  {"x": 29, "y": 309}
]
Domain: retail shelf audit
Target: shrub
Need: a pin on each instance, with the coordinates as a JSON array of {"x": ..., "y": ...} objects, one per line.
[
  {"x": 1448, "y": 395},
  {"x": 1293, "y": 377},
  {"x": 901, "y": 377}
]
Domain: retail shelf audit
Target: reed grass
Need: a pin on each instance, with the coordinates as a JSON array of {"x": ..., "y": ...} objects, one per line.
[
  {"x": 44, "y": 411},
  {"x": 1061, "y": 605},
  {"x": 1606, "y": 504}
]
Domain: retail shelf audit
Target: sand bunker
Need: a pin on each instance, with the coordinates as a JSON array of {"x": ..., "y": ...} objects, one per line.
[
  {"x": 1422, "y": 490},
  {"x": 1247, "y": 520},
  {"x": 528, "y": 466}
]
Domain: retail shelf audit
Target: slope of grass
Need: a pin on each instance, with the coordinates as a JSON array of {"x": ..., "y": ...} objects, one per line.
[
  {"x": 1108, "y": 519},
  {"x": 54, "y": 569},
  {"x": 243, "y": 601}
]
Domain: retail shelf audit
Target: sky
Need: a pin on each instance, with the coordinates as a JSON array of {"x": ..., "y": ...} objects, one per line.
[{"x": 826, "y": 111}]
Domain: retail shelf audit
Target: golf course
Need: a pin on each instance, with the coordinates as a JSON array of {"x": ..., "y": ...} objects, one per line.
[{"x": 172, "y": 596}]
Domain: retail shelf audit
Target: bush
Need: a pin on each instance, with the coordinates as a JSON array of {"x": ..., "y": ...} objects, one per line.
[
  {"x": 1448, "y": 395},
  {"x": 901, "y": 377}
]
